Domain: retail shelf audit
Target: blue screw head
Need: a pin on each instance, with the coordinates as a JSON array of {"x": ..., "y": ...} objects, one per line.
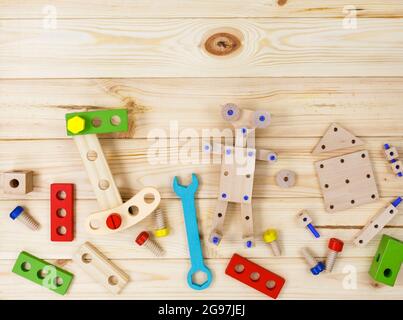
[
  {"x": 386, "y": 146},
  {"x": 230, "y": 112},
  {"x": 243, "y": 130},
  {"x": 272, "y": 157},
  {"x": 318, "y": 268},
  {"x": 228, "y": 151},
  {"x": 16, "y": 212},
  {"x": 250, "y": 153},
  {"x": 249, "y": 244},
  {"x": 245, "y": 198},
  {"x": 216, "y": 240},
  {"x": 400, "y": 174},
  {"x": 262, "y": 118},
  {"x": 206, "y": 147},
  {"x": 224, "y": 195}
]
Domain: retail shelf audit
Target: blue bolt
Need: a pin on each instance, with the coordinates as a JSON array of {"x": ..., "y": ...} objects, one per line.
[
  {"x": 16, "y": 212},
  {"x": 386, "y": 146},
  {"x": 397, "y": 201},
  {"x": 400, "y": 174},
  {"x": 206, "y": 147},
  {"x": 313, "y": 230},
  {"x": 272, "y": 157},
  {"x": 224, "y": 195},
  {"x": 228, "y": 151},
  {"x": 249, "y": 244},
  {"x": 216, "y": 240},
  {"x": 243, "y": 130},
  {"x": 245, "y": 198},
  {"x": 230, "y": 112},
  {"x": 318, "y": 268},
  {"x": 250, "y": 153},
  {"x": 262, "y": 118}
]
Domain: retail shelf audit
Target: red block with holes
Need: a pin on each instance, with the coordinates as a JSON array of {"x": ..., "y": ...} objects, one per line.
[
  {"x": 255, "y": 276},
  {"x": 62, "y": 212}
]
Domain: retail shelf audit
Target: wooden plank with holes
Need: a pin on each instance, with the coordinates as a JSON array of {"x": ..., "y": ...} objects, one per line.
[
  {"x": 100, "y": 268},
  {"x": 347, "y": 181}
]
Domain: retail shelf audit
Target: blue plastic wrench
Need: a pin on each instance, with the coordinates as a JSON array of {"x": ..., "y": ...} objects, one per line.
[{"x": 187, "y": 195}]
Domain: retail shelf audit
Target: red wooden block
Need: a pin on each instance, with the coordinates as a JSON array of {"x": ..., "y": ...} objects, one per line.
[
  {"x": 62, "y": 212},
  {"x": 255, "y": 276}
]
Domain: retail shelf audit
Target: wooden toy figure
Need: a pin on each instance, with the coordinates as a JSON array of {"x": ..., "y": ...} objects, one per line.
[{"x": 238, "y": 168}]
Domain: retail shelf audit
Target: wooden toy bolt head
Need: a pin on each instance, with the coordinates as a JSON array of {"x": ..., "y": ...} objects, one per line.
[
  {"x": 270, "y": 237},
  {"x": 76, "y": 124},
  {"x": 143, "y": 239},
  {"x": 244, "y": 118},
  {"x": 161, "y": 228},
  {"x": 335, "y": 246}
]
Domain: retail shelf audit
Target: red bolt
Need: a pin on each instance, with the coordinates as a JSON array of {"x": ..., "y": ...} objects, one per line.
[
  {"x": 142, "y": 237},
  {"x": 114, "y": 221},
  {"x": 335, "y": 246}
]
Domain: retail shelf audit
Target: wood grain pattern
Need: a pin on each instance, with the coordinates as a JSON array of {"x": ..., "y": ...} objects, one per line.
[
  {"x": 285, "y": 47},
  {"x": 169, "y": 281},
  {"x": 133, "y": 169},
  {"x": 300, "y": 107},
  {"x": 296, "y": 61},
  {"x": 117, "y": 9}
]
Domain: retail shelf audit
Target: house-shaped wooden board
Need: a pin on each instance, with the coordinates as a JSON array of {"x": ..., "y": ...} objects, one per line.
[
  {"x": 335, "y": 138},
  {"x": 347, "y": 181}
]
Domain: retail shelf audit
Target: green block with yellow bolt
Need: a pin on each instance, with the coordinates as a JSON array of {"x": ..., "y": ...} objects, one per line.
[
  {"x": 94, "y": 122},
  {"x": 270, "y": 237}
]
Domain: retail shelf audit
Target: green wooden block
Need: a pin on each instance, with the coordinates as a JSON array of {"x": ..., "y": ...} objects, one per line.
[
  {"x": 42, "y": 273},
  {"x": 387, "y": 261},
  {"x": 94, "y": 122}
]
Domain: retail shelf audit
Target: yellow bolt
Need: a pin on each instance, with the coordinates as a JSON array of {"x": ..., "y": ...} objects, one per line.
[
  {"x": 270, "y": 236},
  {"x": 161, "y": 233},
  {"x": 76, "y": 124}
]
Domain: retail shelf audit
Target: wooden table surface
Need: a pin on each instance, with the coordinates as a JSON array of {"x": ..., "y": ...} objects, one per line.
[{"x": 298, "y": 59}]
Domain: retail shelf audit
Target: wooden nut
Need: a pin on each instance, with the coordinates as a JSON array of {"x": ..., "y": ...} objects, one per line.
[{"x": 285, "y": 178}]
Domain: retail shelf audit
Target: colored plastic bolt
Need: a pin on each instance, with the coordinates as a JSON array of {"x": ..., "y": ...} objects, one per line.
[
  {"x": 75, "y": 124},
  {"x": 161, "y": 229},
  {"x": 335, "y": 246},
  {"x": 387, "y": 261},
  {"x": 21, "y": 215},
  {"x": 143, "y": 239},
  {"x": 316, "y": 267},
  {"x": 270, "y": 237},
  {"x": 42, "y": 273},
  {"x": 306, "y": 221},
  {"x": 114, "y": 221}
]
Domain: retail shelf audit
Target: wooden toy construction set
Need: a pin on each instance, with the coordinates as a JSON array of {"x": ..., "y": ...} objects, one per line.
[{"x": 346, "y": 180}]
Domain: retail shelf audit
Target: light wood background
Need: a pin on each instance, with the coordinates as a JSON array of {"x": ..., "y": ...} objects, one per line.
[{"x": 296, "y": 60}]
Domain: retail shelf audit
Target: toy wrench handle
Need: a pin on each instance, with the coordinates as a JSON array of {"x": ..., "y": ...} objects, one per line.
[
  {"x": 192, "y": 231},
  {"x": 195, "y": 251}
]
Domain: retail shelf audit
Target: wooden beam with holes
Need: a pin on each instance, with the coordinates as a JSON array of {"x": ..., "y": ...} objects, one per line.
[
  {"x": 377, "y": 223},
  {"x": 100, "y": 268},
  {"x": 114, "y": 215}
]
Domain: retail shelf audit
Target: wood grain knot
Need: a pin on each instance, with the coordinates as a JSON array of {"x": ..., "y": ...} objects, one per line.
[
  {"x": 281, "y": 2},
  {"x": 222, "y": 44}
]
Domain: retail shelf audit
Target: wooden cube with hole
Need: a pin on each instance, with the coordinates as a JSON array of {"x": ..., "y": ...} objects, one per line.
[
  {"x": 18, "y": 182},
  {"x": 347, "y": 181}
]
